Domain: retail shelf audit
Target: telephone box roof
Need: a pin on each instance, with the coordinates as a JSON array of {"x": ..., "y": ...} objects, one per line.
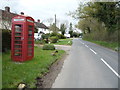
[{"x": 23, "y": 16}]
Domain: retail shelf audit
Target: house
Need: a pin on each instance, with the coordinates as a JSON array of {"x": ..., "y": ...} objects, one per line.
[
  {"x": 42, "y": 29},
  {"x": 5, "y": 18}
]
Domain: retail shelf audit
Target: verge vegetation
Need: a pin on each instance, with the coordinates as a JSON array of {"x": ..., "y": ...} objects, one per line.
[
  {"x": 111, "y": 45},
  {"x": 26, "y": 72},
  {"x": 99, "y": 22}
]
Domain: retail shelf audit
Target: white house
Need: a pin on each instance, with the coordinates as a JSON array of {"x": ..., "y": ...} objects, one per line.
[{"x": 42, "y": 29}]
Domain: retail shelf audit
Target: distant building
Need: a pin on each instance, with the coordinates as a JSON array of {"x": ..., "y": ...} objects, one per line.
[
  {"x": 67, "y": 35},
  {"x": 5, "y": 18},
  {"x": 42, "y": 29}
]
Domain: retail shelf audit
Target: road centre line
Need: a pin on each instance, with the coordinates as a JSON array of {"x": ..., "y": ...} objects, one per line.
[
  {"x": 86, "y": 45},
  {"x": 81, "y": 42},
  {"x": 93, "y": 51},
  {"x": 110, "y": 68},
  {"x": 105, "y": 63}
]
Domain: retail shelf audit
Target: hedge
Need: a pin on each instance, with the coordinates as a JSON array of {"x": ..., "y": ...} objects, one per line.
[
  {"x": 6, "y": 40},
  {"x": 54, "y": 39},
  {"x": 48, "y": 47}
]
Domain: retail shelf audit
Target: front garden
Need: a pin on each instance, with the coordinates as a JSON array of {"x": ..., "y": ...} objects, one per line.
[
  {"x": 54, "y": 39},
  {"x": 14, "y": 73}
]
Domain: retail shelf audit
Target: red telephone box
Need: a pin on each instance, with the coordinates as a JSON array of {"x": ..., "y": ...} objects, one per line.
[{"x": 22, "y": 46}]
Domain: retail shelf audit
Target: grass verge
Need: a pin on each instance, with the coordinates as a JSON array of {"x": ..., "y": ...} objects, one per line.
[
  {"x": 64, "y": 42},
  {"x": 14, "y": 72},
  {"x": 111, "y": 45}
]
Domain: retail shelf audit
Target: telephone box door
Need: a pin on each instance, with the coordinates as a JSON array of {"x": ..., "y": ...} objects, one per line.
[{"x": 17, "y": 41}]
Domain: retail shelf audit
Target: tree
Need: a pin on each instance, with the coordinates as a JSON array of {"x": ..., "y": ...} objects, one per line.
[
  {"x": 71, "y": 28},
  {"x": 104, "y": 12},
  {"x": 62, "y": 28},
  {"x": 6, "y": 20},
  {"x": 54, "y": 28},
  {"x": 75, "y": 34},
  {"x": 71, "y": 33}
]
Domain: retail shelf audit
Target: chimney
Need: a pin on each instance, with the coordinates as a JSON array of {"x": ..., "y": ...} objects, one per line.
[
  {"x": 22, "y": 13},
  {"x": 38, "y": 20},
  {"x": 7, "y": 9}
]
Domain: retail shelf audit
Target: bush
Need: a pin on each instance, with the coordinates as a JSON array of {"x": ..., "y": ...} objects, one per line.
[
  {"x": 6, "y": 40},
  {"x": 74, "y": 34},
  {"x": 60, "y": 36},
  {"x": 53, "y": 34},
  {"x": 54, "y": 39},
  {"x": 48, "y": 47},
  {"x": 45, "y": 36}
]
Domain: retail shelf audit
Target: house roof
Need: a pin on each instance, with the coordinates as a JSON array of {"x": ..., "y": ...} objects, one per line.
[
  {"x": 7, "y": 15},
  {"x": 41, "y": 25}
]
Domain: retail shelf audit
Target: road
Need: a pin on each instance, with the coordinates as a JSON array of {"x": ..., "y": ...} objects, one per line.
[{"x": 88, "y": 66}]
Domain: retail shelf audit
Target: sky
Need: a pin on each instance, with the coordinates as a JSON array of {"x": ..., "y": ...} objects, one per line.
[{"x": 44, "y": 9}]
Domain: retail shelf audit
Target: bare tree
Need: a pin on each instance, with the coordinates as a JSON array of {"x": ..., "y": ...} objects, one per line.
[{"x": 7, "y": 20}]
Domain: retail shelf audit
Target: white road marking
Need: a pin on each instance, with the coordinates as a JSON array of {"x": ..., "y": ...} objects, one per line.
[
  {"x": 93, "y": 51},
  {"x": 110, "y": 68},
  {"x": 81, "y": 42},
  {"x": 86, "y": 45}
]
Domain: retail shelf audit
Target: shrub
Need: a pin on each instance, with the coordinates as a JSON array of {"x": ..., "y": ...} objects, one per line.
[
  {"x": 60, "y": 36},
  {"x": 75, "y": 34},
  {"x": 6, "y": 40},
  {"x": 48, "y": 47},
  {"x": 54, "y": 39},
  {"x": 45, "y": 36},
  {"x": 39, "y": 42},
  {"x": 53, "y": 34}
]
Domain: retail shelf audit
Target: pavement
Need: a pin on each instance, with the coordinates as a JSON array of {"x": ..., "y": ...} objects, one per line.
[
  {"x": 88, "y": 66},
  {"x": 66, "y": 48}
]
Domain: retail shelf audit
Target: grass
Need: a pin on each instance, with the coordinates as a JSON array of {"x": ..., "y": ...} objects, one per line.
[
  {"x": 39, "y": 42},
  {"x": 0, "y": 70},
  {"x": 111, "y": 45},
  {"x": 64, "y": 42},
  {"x": 14, "y": 73}
]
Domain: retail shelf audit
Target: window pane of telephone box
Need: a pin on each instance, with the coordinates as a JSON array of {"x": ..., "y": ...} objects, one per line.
[{"x": 18, "y": 28}]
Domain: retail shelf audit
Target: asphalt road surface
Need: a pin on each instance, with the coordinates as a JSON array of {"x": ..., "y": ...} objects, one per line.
[{"x": 88, "y": 66}]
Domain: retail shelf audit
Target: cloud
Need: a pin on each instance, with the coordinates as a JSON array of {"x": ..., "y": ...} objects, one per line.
[{"x": 43, "y": 9}]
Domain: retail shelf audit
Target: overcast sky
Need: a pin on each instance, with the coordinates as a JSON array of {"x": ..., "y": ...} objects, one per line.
[{"x": 44, "y": 9}]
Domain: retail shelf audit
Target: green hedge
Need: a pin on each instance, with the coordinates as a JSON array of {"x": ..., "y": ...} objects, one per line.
[
  {"x": 48, "y": 47},
  {"x": 60, "y": 36},
  {"x": 54, "y": 39},
  {"x": 6, "y": 40}
]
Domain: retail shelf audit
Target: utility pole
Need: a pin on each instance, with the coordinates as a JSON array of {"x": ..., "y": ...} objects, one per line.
[{"x": 55, "y": 22}]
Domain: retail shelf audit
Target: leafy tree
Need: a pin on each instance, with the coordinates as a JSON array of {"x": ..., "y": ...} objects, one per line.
[
  {"x": 71, "y": 33},
  {"x": 71, "y": 28},
  {"x": 75, "y": 34},
  {"x": 62, "y": 28},
  {"x": 54, "y": 28},
  {"x": 104, "y": 12}
]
